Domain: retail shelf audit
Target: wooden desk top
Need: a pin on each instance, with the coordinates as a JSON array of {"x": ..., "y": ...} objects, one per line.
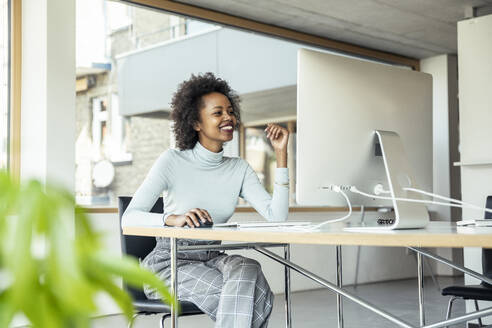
[{"x": 436, "y": 234}]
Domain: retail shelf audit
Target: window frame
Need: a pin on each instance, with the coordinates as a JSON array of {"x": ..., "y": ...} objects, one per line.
[{"x": 15, "y": 85}]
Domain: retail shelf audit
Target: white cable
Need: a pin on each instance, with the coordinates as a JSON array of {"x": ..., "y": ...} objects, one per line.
[
  {"x": 357, "y": 191},
  {"x": 339, "y": 190},
  {"x": 448, "y": 199},
  {"x": 380, "y": 190}
]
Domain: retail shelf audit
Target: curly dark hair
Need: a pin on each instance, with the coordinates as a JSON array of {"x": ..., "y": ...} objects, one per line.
[{"x": 187, "y": 102}]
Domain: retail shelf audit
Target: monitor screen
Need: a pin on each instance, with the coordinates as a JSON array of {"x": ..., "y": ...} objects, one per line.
[{"x": 341, "y": 101}]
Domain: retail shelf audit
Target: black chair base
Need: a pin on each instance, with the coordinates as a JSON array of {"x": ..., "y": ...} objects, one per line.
[{"x": 469, "y": 292}]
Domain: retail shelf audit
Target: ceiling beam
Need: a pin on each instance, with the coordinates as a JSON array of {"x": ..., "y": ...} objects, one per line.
[{"x": 276, "y": 31}]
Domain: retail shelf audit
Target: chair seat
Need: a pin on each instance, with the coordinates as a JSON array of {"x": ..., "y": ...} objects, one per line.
[
  {"x": 156, "y": 306},
  {"x": 477, "y": 292}
]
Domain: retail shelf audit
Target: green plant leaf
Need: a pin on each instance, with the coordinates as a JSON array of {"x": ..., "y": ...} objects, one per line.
[
  {"x": 133, "y": 274},
  {"x": 56, "y": 259},
  {"x": 122, "y": 299},
  {"x": 7, "y": 311}
]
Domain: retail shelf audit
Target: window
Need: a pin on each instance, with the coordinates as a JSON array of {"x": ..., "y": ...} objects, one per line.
[
  {"x": 4, "y": 82},
  {"x": 260, "y": 155},
  {"x": 114, "y": 151},
  {"x": 130, "y": 61}
]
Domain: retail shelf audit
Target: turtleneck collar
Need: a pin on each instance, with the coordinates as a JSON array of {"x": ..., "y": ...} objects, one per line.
[{"x": 207, "y": 157}]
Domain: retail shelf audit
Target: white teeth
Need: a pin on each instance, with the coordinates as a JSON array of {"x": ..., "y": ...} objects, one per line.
[{"x": 227, "y": 128}]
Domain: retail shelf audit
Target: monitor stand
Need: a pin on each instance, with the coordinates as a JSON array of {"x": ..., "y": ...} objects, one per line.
[{"x": 408, "y": 215}]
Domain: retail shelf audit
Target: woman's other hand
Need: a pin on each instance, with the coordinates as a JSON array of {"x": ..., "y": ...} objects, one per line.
[
  {"x": 192, "y": 218},
  {"x": 279, "y": 136}
]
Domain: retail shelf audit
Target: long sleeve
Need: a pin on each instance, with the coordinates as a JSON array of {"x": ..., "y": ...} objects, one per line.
[
  {"x": 146, "y": 195},
  {"x": 272, "y": 208}
]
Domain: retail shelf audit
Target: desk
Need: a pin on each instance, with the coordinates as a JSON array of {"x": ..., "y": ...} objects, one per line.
[{"x": 436, "y": 234}]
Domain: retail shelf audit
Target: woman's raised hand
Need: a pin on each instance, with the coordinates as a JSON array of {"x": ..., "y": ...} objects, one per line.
[
  {"x": 192, "y": 218},
  {"x": 278, "y": 136}
]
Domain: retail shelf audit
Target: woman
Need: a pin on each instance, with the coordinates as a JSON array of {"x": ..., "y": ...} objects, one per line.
[{"x": 200, "y": 184}]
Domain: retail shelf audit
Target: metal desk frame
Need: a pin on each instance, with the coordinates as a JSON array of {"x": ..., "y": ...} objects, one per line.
[
  {"x": 436, "y": 235},
  {"x": 261, "y": 248}
]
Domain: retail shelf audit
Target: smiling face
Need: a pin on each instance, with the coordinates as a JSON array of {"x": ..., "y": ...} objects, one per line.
[{"x": 217, "y": 121}]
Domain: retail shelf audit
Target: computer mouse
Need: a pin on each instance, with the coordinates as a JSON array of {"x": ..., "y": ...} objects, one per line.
[{"x": 206, "y": 224}]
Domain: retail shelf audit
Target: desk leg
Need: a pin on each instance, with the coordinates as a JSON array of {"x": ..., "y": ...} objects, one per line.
[
  {"x": 420, "y": 275},
  {"x": 174, "y": 279},
  {"x": 288, "y": 314},
  {"x": 339, "y": 285}
]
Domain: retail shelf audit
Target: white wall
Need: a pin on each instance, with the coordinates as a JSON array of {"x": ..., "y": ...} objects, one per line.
[
  {"x": 48, "y": 94},
  {"x": 475, "y": 83},
  {"x": 376, "y": 263},
  {"x": 442, "y": 68},
  {"x": 446, "y": 177},
  {"x": 48, "y": 91}
]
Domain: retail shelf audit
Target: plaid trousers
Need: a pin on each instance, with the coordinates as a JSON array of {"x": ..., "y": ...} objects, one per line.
[{"x": 230, "y": 289}]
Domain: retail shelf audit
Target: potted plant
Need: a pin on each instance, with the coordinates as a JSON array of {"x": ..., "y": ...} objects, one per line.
[{"x": 52, "y": 263}]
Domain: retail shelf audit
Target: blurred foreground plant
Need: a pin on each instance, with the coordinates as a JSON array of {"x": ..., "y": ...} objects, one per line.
[{"x": 52, "y": 265}]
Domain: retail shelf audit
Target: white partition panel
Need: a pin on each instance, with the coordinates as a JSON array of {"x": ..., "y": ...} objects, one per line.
[{"x": 475, "y": 97}]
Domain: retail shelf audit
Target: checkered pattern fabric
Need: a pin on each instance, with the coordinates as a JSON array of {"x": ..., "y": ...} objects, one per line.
[{"x": 230, "y": 289}]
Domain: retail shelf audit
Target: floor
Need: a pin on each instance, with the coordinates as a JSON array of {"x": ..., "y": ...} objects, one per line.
[{"x": 317, "y": 308}]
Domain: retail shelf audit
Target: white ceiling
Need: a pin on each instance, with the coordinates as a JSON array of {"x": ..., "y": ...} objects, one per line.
[{"x": 413, "y": 28}]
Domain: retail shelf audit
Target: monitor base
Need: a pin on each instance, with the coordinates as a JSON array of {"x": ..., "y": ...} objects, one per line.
[{"x": 399, "y": 175}]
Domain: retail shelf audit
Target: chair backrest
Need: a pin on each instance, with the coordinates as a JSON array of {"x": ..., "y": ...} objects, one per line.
[
  {"x": 487, "y": 252},
  {"x": 136, "y": 246}
]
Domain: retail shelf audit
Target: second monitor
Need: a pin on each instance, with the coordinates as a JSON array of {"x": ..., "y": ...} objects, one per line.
[{"x": 341, "y": 103}]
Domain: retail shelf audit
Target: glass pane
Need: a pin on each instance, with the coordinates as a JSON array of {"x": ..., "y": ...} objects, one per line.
[
  {"x": 130, "y": 61},
  {"x": 260, "y": 155},
  {"x": 4, "y": 82},
  {"x": 114, "y": 152}
]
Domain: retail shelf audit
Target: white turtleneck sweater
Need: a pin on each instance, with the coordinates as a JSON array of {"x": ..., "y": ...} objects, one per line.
[{"x": 199, "y": 178}]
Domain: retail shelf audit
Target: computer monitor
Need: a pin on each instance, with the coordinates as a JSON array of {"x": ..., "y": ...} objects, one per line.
[{"x": 341, "y": 103}]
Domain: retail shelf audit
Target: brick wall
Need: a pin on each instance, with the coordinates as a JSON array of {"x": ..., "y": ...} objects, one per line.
[{"x": 149, "y": 138}]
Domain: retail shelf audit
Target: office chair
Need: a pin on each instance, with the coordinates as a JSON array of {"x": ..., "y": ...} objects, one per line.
[
  {"x": 482, "y": 292},
  {"x": 139, "y": 247}
]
